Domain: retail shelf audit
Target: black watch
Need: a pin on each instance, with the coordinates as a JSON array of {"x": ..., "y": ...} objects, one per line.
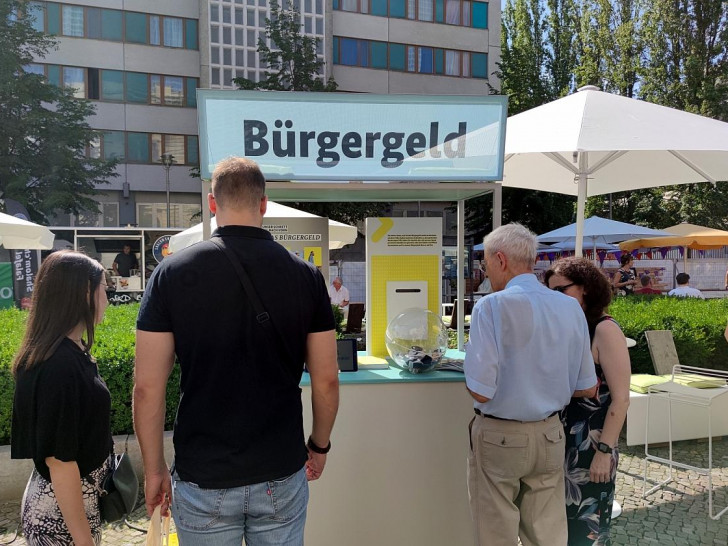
[
  {"x": 316, "y": 449},
  {"x": 604, "y": 448}
]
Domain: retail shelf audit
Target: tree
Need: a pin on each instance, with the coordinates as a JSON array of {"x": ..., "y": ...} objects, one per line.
[
  {"x": 43, "y": 130},
  {"x": 291, "y": 60}
]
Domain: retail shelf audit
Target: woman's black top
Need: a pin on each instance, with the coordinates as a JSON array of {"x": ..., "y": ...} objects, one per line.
[
  {"x": 62, "y": 409},
  {"x": 626, "y": 275}
]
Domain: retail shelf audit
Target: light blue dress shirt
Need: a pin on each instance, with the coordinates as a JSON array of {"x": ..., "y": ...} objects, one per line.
[{"x": 528, "y": 352}]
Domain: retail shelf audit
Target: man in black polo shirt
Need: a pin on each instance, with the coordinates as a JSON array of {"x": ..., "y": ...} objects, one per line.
[
  {"x": 124, "y": 262},
  {"x": 241, "y": 461}
]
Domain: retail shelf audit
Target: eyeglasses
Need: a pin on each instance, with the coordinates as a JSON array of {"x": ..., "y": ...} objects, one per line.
[{"x": 563, "y": 287}]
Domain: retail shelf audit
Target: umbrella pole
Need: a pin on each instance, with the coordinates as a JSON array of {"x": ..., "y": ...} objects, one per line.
[{"x": 580, "y": 206}]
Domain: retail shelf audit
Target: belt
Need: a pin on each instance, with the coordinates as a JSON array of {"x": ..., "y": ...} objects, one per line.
[{"x": 478, "y": 412}]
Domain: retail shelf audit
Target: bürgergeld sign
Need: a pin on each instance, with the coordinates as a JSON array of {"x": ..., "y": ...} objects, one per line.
[{"x": 335, "y": 136}]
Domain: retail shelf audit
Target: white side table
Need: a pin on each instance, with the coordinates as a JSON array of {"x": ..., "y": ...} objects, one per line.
[{"x": 675, "y": 393}]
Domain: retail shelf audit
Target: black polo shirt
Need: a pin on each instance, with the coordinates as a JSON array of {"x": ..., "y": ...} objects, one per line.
[
  {"x": 125, "y": 263},
  {"x": 239, "y": 419}
]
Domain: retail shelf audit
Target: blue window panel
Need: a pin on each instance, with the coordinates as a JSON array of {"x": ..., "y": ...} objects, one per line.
[
  {"x": 336, "y": 50},
  {"x": 191, "y": 34},
  {"x": 53, "y": 14},
  {"x": 137, "y": 87},
  {"x": 439, "y": 11},
  {"x": 192, "y": 92},
  {"x": 112, "y": 85},
  {"x": 336, "y": 4},
  {"x": 192, "y": 150},
  {"x": 54, "y": 75},
  {"x": 379, "y": 54},
  {"x": 396, "y": 57},
  {"x": 138, "y": 146},
  {"x": 398, "y": 8},
  {"x": 364, "y": 53},
  {"x": 111, "y": 25},
  {"x": 480, "y": 15},
  {"x": 136, "y": 28},
  {"x": 479, "y": 62},
  {"x": 379, "y": 7},
  {"x": 113, "y": 145},
  {"x": 426, "y": 60},
  {"x": 439, "y": 61},
  {"x": 348, "y": 52},
  {"x": 36, "y": 14}
]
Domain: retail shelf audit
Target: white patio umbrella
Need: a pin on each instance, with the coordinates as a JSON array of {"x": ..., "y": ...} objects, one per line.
[
  {"x": 340, "y": 234},
  {"x": 593, "y": 143},
  {"x": 22, "y": 234}
]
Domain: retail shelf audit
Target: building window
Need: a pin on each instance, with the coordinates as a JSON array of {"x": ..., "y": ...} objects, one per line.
[
  {"x": 192, "y": 150},
  {"x": 138, "y": 147},
  {"x": 136, "y": 28},
  {"x": 36, "y": 14},
  {"x": 154, "y": 33},
  {"x": 72, "y": 21},
  {"x": 137, "y": 87},
  {"x": 112, "y": 85},
  {"x": 75, "y": 78},
  {"x": 479, "y": 62},
  {"x": 112, "y": 145},
  {"x": 480, "y": 15},
  {"x": 192, "y": 92},
  {"x": 173, "y": 91},
  {"x": 425, "y": 60},
  {"x": 378, "y": 54},
  {"x": 396, "y": 56},
  {"x": 173, "y": 36}
]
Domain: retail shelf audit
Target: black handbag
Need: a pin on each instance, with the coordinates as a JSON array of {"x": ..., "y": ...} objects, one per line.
[{"x": 119, "y": 490}]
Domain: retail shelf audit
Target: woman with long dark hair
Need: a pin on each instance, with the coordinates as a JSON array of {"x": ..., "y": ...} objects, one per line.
[
  {"x": 592, "y": 425},
  {"x": 62, "y": 407},
  {"x": 625, "y": 278}
]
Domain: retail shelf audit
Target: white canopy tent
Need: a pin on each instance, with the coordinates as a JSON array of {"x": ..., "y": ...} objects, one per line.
[
  {"x": 340, "y": 234},
  {"x": 22, "y": 234},
  {"x": 594, "y": 143}
]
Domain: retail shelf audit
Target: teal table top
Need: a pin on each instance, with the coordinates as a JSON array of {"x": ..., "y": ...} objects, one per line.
[{"x": 395, "y": 374}]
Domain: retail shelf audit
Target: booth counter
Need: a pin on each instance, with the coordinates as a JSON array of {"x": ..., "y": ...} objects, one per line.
[{"x": 396, "y": 473}]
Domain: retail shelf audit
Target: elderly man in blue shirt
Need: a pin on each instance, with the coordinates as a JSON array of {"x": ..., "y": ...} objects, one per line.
[{"x": 528, "y": 355}]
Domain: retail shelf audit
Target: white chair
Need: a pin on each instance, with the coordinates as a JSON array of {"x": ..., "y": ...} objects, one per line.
[{"x": 675, "y": 393}]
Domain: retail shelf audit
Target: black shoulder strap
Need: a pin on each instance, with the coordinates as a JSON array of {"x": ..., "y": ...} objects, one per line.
[{"x": 261, "y": 315}]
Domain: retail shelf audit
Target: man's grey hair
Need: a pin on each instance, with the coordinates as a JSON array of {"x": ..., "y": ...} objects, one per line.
[{"x": 518, "y": 243}]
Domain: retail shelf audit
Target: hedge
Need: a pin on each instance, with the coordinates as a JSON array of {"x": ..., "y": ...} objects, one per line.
[
  {"x": 697, "y": 327},
  {"x": 114, "y": 353}
]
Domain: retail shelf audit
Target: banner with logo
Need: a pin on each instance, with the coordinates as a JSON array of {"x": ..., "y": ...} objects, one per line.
[
  {"x": 25, "y": 267},
  {"x": 337, "y": 136},
  {"x": 6, "y": 286}
]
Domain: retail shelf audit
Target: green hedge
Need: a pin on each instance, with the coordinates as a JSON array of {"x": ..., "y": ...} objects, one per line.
[
  {"x": 114, "y": 353},
  {"x": 697, "y": 327}
]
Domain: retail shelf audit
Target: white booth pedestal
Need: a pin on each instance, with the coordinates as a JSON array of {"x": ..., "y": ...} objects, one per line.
[
  {"x": 396, "y": 473},
  {"x": 688, "y": 422}
]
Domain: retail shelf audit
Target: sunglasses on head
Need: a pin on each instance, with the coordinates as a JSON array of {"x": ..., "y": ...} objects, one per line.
[{"x": 563, "y": 287}]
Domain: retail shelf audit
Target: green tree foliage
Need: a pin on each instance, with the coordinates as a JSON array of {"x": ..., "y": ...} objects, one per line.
[
  {"x": 291, "y": 60},
  {"x": 44, "y": 134}
]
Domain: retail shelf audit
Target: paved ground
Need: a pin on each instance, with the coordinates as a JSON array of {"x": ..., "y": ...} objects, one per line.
[{"x": 675, "y": 515}]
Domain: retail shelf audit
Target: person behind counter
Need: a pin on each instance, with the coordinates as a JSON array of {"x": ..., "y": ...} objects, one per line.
[
  {"x": 62, "y": 408},
  {"x": 124, "y": 262}
]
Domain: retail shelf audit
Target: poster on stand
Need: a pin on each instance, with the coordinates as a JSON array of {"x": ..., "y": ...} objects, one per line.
[
  {"x": 404, "y": 270},
  {"x": 25, "y": 267},
  {"x": 307, "y": 238}
]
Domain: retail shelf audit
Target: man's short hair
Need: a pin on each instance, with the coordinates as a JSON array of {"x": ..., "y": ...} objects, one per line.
[
  {"x": 682, "y": 278},
  {"x": 518, "y": 243},
  {"x": 238, "y": 183},
  {"x": 645, "y": 280}
]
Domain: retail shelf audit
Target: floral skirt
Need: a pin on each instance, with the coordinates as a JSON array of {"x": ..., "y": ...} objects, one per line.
[{"x": 40, "y": 515}]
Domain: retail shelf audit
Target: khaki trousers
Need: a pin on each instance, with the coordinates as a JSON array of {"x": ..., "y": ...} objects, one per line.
[{"x": 516, "y": 482}]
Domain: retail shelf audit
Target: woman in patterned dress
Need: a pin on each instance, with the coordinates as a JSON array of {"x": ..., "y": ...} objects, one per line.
[
  {"x": 62, "y": 407},
  {"x": 592, "y": 425}
]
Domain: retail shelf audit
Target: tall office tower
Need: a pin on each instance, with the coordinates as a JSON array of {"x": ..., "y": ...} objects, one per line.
[
  {"x": 416, "y": 46},
  {"x": 234, "y": 29},
  {"x": 139, "y": 63}
]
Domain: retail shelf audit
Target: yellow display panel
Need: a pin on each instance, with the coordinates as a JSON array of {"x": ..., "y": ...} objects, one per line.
[{"x": 398, "y": 268}]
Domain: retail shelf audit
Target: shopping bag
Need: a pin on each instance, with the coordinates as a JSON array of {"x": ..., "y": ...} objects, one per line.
[{"x": 158, "y": 532}]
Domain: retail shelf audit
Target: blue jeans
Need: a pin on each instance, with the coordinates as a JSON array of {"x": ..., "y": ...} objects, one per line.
[{"x": 264, "y": 514}]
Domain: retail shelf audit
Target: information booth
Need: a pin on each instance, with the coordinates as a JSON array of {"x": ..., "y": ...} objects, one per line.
[
  {"x": 148, "y": 246},
  {"x": 396, "y": 473}
]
